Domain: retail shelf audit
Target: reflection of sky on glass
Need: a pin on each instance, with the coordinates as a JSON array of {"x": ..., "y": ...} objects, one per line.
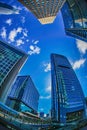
[
  {"x": 39, "y": 41},
  {"x": 73, "y": 16}
]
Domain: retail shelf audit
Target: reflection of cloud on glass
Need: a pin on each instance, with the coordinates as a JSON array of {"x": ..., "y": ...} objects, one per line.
[
  {"x": 78, "y": 63},
  {"x": 34, "y": 50},
  {"x": 82, "y": 46}
]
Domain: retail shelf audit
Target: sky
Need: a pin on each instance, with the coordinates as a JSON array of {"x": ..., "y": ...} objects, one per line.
[{"x": 24, "y": 31}]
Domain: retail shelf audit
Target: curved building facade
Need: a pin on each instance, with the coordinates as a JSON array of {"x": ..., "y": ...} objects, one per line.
[
  {"x": 11, "y": 61},
  {"x": 74, "y": 14},
  {"x": 68, "y": 101},
  {"x": 24, "y": 95}
]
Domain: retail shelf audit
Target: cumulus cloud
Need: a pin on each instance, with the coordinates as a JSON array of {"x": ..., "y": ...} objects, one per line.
[
  {"x": 3, "y": 33},
  {"x": 9, "y": 21},
  {"x": 13, "y": 33},
  {"x": 82, "y": 46},
  {"x": 35, "y": 42},
  {"x": 78, "y": 63},
  {"x": 48, "y": 89},
  {"x": 45, "y": 97},
  {"x": 19, "y": 42},
  {"x": 47, "y": 67},
  {"x": 34, "y": 50},
  {"x": 27, "y": 40}
]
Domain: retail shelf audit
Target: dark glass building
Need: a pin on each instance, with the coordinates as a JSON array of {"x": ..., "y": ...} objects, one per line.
[
  {"x": 44, "y": 10},
  {"x": 74, "y": 14},
  {"x": 68, "y": 101},
  {"x": 7, "y": 9},
  {"x": 23, "y": 96},
  {"x": 11, "y": 61}
]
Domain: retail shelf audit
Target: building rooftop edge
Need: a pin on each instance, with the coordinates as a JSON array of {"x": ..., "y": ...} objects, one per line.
[
  {"x": 57, "y": 55},
  {"x": 4, "y": 42}
]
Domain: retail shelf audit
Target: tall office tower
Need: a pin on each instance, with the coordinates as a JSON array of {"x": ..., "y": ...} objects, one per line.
[
  {"x": 23, "y": 95},
  {"x": 68, "y": 101},
  {"x": 11, "y": 61},
  {"x": 44, "y": 10},
  {"x": 74, "y": 14},
  {"x": 7, "y": 9}
]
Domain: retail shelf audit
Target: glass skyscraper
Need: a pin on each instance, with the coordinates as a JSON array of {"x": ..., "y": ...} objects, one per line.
[
  {"x": 11, "y": 61},
  {"x": 7, "y": 9},
  {"x": 68, "y": 101},
  {"x": 44, "y": 10},
  {"x": 23, "y": 95},
  {"x": 74, "y": 14}
]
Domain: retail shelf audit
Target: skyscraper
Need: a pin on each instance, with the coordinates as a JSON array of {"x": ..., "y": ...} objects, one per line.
[
  {"x": 11, "y": 61},
  {"x": 7, "y": 9},
  {"x": 68, "y": 102},
  {"x": 44, "y": 10},
  {"x": 74, "y": 14},
  {"x": 23, "y": 95}
]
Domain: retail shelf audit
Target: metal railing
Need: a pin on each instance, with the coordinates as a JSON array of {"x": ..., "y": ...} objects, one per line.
[{"x": 22, "y": 121}]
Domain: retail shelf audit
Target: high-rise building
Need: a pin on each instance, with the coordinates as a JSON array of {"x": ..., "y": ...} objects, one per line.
[
  {"x": 23, "y": 96},
  {"x": 41, "y": 114},
  {"x": 68, "y": 101},
  {"x": 74, "y": 14},
  {"x": 11, "y": 61},
  {"x": 7, "y": 9},
  {"x": 44, "y": 10}
]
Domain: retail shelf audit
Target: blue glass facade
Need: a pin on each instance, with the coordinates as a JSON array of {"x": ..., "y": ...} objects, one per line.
[
  {"x": 23, "y": 92},
  {"x": 11, "y": 60},
  {"x": 68, "y": 102},
  {"x": 74, "y": 14}
]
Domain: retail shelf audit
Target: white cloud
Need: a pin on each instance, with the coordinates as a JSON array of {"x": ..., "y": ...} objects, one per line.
[
  {"x": 23, "y": 19},
  {"x": 19, "y": 42},
  {"x": 78, "y": 63},
  {"x": 48, "y": 89},
  {"x": 27, "y": 40},
  {"x": 35, "y": 42},
  {"x": 19, "y": 30},
  {"x": 34, "y": 50},
  {"x": 14, "y": 33},
  {"x": 9, "y": 21},
  {"x": 45, "y": 97},
  {"x": 47, "y": 67},
  {"x": 3, "y": 33},
  {"x": 32, "y": 47},
  {"x": 25, "y": 32},
  {"x": 82, "y": 46}
]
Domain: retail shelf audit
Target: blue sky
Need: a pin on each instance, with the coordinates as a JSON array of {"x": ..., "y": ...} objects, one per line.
[{"x": 24, "y": 31}]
